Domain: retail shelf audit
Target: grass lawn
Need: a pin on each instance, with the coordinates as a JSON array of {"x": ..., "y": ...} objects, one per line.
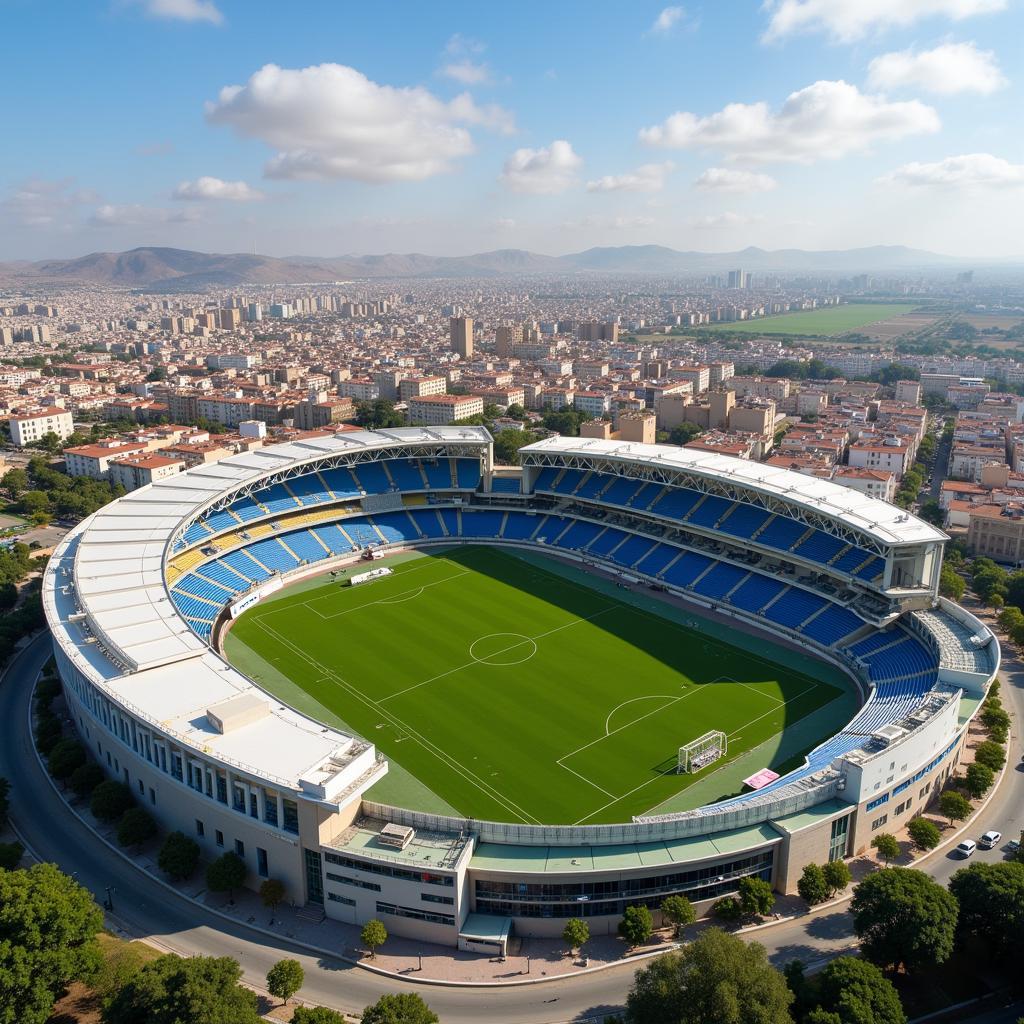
[
  {"x": 516, "y": 693},
  {"x": 827, "y": 321}
]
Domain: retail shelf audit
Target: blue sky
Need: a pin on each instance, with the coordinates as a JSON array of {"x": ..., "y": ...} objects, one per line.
[{"x": 323, "y": 128}]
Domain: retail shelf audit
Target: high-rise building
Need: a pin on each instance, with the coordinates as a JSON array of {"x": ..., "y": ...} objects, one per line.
[
  {"x": 504, "y": 338},
  {"x": 461, "y": 332},
  {"x": 737, "y": 279}
]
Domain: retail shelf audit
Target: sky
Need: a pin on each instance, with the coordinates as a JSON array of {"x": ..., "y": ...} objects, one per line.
[{"x": 335, "y": 127}]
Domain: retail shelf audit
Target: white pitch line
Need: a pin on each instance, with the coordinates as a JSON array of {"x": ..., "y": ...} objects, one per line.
[{"x": 589, "y": 782}]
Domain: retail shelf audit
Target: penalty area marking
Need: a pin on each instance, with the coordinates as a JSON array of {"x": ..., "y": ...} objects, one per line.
[{"x": 518, "y": 640}]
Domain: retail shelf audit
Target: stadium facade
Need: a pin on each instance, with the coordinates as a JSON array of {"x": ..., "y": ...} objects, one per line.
[{"x": 138, "y": 595}]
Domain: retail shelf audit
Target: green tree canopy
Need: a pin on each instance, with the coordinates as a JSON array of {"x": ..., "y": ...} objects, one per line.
[
  {"x": 178, "y": 857},
  {"x": 858, "y": 993},
  {"x": 576, "y": 933},
  {"x": 717, "y": 977},
  {"x": 373, "y": 936},
  {"x": 110, "y": 800},
  {"x": 991, "y": 898},
  {"x": 317, "y": 1015},
  {"x": 678, "y": 911},
  {"x": 756, "y": 896},
  {"x": 887, "y": 845},
  {"x": 924, "y": 833},
  {"x": 837, "y": 876},
  {"x": 978, "y": 779},
  {"x": 135, "y": 827},
  {"x": 48, "y": 929},
  {"x": 904, "y": 918},
  {"x": 404, "y": 1008},
  {"x": 954, "y": 805},
  {"x": 636, "y": 925},
  {"x": 811, "y": 885},
  {"x": 284, "y": 979},
  {"x": 173, "y": 990},
  {"x": 226, "y": 874}
]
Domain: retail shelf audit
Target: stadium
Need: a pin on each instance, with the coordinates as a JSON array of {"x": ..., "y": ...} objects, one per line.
[{"x": 475, "y": 701}]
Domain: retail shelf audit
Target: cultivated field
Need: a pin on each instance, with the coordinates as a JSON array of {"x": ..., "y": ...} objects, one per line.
[
  {"x": 515, "y": 693},
  {"x": 828, "y": 321}
]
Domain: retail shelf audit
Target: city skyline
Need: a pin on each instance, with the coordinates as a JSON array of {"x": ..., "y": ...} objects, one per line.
[{"x": 790, "y": 124}]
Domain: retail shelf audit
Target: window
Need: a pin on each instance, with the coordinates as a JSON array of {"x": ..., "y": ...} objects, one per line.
[
  {"x": 315, "y": 879},
  {"x": 240, "y": 848},
  {"x": 262, "y": 866},
  {"x": 430, "y": 897},
  {"x": 291, "y": 817},
  {"x": 222, "y": 789},
  {"x": 335, "y": 897},
  {"x": 413, "y": 914},
  {"x": 872, "y": 804},
  {"x": 357, "y": 883},
  {"x": 200, "y": 828},
  {"x": 879, "y": 822},
  {"x": 152, "y": 795},
  {"x": 219, "y": 837},
  {"x": 142, "y": 788}
]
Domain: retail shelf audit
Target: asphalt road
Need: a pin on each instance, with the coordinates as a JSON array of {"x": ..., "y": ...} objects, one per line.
[{"x": 175, "y": 923}]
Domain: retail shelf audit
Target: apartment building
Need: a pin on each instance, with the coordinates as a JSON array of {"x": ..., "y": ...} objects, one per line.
[
  {"x": 32, "y": 427},
  {"x": 439, "y": 410}
]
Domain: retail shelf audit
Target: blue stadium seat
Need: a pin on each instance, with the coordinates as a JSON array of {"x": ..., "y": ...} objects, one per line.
[
  {"x": 273, "y": 555},
  {"x": 656, "y": 559},
  {"x": 781, "y": 533},
  {"x": 362, "y": 533},
  {"x": 245, "y": 566},
  {"x": 709, "y": 511},
  {"x": 717, "y": 583},
  {"x": 794, "y": 606},
  {"x": 196, "y": 586},
  {"x": 683, "y": 572},
  {"x": 395, "y": 526},
  {"x": 372, "y": 478},
  {"x": 308, "y": 489},
  {"x": 568, "y": 483},
  {"x": 196, "y": 532},
  {"x": 467, "y": 472},
  {"x": 592, "y": 486},
  {"x": 872, "y": 570},
  {"x": 744, "y": 520},
  {"x": 629, "y": 553},
  {"x": 427, "y": 521},
  {"x": 620, "y": 491},
  {"x": 341, "y": 482},
  {"x": 519, "y": 526},
  {"x": 676, "y": 503},
  {"x": 451, "y": 521},
  {"x": 482, "y": 524},
  {"x": 579, "y": 535},
  {"x": 645, "y": 496},
  {"x": 276, "y": 499},
  {"x": 545, "y": 479},
  {"x": 333, "y": 538},
  {"x": 304, "y": 545},
  {"x": 225, "y": 576},
  {"x": 832, "y": 625},
  {"x": 604, "y": 544},
  {"x": 222, "y": 520},
  {"x": 439, "y": 473},
  {"x": 819, "y": 547},
  {"x": 756, "y": 592},
  {"x": 506, "y": 485},
  {"x": 246, "y": 509},
  {"x": 406, "y": 474}
]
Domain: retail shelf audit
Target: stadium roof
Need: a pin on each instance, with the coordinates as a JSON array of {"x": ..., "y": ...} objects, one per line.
[{"x": 884, "y": 522}]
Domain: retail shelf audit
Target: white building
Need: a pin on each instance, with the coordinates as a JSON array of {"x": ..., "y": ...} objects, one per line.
[
  {"x": 35, "y": 426},
  {"x": 439, "y": 410}
]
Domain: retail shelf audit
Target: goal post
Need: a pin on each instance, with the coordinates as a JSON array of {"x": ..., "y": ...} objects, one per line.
[{"x": 702, "y": 751}]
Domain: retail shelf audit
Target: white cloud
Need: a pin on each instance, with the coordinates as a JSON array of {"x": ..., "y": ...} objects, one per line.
[
  {"x": 544, "y": 171},
  {"x": 848, "y": 20},
  {"x": 330, "y": 121},
  {"x": 972, "y": 170},
  {"x": 668, "y": 19},
  {"x": 647, "y": 178},
  {"x": 622, "y": 222},
  {"x": 216, "y": 188},
  {"x": 504, "y": 224},
  {"x": 41, "y": 203},
  {"x": 729, "y": 179},
  {"x": 460, "y": 65},
  {"x": 946, "y": 70},
  {"x": 727, "y": 219},
  {"x": 136, "y": 215},
  {"x": 823, "y": 121},
  {"x": 184, "y": 10}
]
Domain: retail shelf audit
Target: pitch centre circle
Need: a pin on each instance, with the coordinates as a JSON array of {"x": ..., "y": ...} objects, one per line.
[{"x": 502, "y": 649}]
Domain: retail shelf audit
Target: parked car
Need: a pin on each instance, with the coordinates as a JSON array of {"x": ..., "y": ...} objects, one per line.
[
  {"x": 990, "y": 840},
  {"x": 967, "y": 848}
]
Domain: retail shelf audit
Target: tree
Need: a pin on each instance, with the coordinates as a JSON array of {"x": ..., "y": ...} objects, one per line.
[
  {"x": 404, "y": 1008},
  {"x": 226, "y": 874},
  {"x": 64, "y": 758},
  {"x": 991, "y": 899},
  {"x": 48, "y": 929},
  {"x": 373, "y": 936},
  {"x": 858, "y": 993},
  {"x": 636, "y": 925},
  {"x": 951, "y": 583},
  {"x": 679, "y": 912},
  {"x": 727, "y": 909},
  {"x": 887, "y": 845},
  {"x": 717, "y": 977},
  {"x": 272, "y": 893},
  {"x": 924, "y": 833},
  {"x": 135, "y": 827},
  {"x": 811, "y": 885},
  {"x": 902, "y": 917},
  {"x": 110, "y": 800},
  {"x": 756, "y": 896},
  {"x": 173, "y": 990},
  {"x": 990, "y": 754},
  {"x": 978, "y": 779},
  {"x": 575, "y": 934},
  {"x": 954, "y": 805},
  {"x": 178, "y": 856},
  {"x": 85, "y": 778},
  {"x": 284, "y": 979},
  {"x": 931, "y": 512},
  {"x": 837, "y": 876},
  {"x": 317, "y": 1015},
  {"x": 684, "y": 433}
]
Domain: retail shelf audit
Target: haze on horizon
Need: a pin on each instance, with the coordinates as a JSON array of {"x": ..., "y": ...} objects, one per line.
[{"x": 455, "y": 128}]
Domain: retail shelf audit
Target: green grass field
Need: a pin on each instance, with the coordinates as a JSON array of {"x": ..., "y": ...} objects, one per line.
[
  {"x": 516, "y": 693},
  {"x": 821, "y": 322}
]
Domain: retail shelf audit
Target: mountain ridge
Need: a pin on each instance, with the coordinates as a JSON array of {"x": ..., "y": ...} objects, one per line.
[{"x": 165, "y": 268}]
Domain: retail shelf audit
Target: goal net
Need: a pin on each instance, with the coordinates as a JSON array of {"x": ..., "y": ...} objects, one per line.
[{"x": 702, "y": 751}]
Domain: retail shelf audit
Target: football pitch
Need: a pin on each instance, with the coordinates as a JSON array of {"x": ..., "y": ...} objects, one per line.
[
  {"x": 516, "y": 693},
  {"x": 826, "y": 321}
]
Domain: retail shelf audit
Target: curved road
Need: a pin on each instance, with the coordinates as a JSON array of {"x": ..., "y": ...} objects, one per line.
[{"x": 179, "y": 925}]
